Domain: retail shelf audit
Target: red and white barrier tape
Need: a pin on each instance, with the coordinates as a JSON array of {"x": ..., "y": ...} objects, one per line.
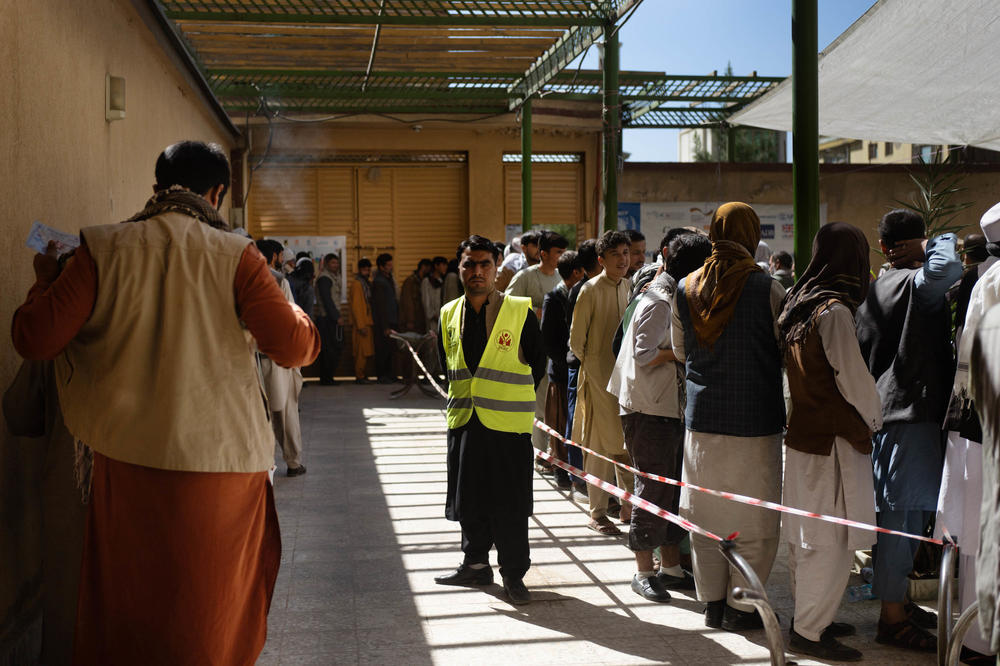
[
  {"x": 753, "y": 501},
  {"x": 635, "y": 500},
  {"x": 416, "y": 357}
]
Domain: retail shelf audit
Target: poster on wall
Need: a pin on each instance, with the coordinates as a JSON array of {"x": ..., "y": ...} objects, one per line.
[
  {"x": 655, "y": 218},
  {"x": 318, "y": 247}
]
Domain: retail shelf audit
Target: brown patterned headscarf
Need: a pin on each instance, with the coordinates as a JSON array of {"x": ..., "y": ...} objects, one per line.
[
  {"x": 714, "y": 289},
  {"x": 839, "y": 271}
]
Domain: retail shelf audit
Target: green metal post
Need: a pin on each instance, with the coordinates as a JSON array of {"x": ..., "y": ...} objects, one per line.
[
  {"x": 526, "y": 165},
  {"x": 730, "y": 143},
  {"x": 805, "y": 129},
  {"x": 612, "y": 127}
]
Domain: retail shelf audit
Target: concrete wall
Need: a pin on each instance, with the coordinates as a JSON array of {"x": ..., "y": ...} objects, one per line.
[
  {"x": 859, "y": 195},
  {"x": 63, "y": 164},
  {"x": 484, "y": 146}
]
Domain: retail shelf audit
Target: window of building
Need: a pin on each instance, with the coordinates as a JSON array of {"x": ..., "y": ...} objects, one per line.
[
  {"x": 872, "y": 150},
  {"x": 888, "y": 148}
]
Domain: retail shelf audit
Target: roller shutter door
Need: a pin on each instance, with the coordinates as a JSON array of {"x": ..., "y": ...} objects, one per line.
[
  {"x": 430, "y": 214},
  {"x": 557, "y": 197},
  {"x": 409, "y": 211}
]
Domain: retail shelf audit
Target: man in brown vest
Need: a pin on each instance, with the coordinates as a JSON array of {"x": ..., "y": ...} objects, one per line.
[{"x": 150, "y": 324}]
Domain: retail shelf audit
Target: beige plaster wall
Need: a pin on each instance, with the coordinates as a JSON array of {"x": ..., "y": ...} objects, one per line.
[
  {"x": 484, "y": 146},
  {"x": 852, "y": 194},
  {"x": 62, "y": 163}
]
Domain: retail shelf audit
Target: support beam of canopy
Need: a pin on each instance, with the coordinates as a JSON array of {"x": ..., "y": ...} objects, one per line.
[
  {"x": 576, "y": 40},
  {"x": 805, "y": 129},
  {"x": 612, "y": 127}
]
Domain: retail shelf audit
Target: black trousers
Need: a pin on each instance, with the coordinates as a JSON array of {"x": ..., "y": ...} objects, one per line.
[
  {"x": 331, "y": 344},
  {"x": 510, "y": 535}
]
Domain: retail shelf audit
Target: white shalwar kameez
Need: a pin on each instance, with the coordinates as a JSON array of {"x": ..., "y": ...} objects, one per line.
[{"x": 839, "y": 485}]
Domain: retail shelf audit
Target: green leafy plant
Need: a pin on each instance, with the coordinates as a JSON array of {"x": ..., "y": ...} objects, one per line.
[{"x": 938, "y": 183}]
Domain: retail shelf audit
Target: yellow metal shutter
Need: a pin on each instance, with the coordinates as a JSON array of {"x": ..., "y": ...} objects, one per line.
[
  {"x": 409, "y": 211},
  {"x": 431, "y": 213},
  {"x": 375, "y": 208},
  {"x": 557, "y": 197},
  {"x": 283, "y": 202},
  {"x": 337, "y": 201}
]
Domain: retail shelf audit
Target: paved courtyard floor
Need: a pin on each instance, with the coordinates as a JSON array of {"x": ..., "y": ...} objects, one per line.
[{"x": 364, "y": 535}]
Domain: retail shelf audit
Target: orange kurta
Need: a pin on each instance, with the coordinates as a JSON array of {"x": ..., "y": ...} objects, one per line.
[
  {"x": 361, "y": 316},
  {"x": 178, "y": 567}
]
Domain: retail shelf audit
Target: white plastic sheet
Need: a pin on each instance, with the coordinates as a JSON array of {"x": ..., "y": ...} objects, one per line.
[{"x": 913, "y": 71}]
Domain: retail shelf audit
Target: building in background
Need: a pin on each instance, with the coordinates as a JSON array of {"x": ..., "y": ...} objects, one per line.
[
  {"x": 710, "y": 144},
  {"x": 857, "y": 151}
]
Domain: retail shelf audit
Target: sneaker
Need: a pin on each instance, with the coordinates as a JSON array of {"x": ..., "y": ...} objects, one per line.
[
  {"x": 650, "y": 589},
  {"x": 827, "y": 647},
  {"x": 685, "y": 582}
]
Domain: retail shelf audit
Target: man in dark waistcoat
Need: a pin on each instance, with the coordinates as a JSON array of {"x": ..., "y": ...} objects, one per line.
[{"x": 904, "y": 329}]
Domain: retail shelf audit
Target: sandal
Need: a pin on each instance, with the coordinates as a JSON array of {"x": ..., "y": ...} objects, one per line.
[
  {"x": 906, "y": 635},
  {"x": 604, "y": 526},
  {"x": 919, "y": 616}
]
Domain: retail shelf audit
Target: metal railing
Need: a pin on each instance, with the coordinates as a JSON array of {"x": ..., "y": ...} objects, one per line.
[
  {"x": 754, "y": 593},
  {"x": 946, "y": 588}
]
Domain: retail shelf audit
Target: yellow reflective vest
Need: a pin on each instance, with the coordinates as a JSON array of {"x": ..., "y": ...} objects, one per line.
[{"x": 502, "y": 390}]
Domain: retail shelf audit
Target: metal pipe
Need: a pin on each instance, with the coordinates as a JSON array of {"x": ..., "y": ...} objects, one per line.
[
  {"x": 612, "y": 127},
  {"x": 755, "y": 594},
  {"x": 962, "y": 627},
  {"x": 371, "y": 56},
  {"x": 805, "y": 129},
  {"x": 526, "y": 165},
  {"x": 946, "y": 586}
]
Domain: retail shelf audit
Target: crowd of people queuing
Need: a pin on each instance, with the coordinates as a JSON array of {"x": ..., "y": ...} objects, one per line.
[{"x": 697, "y": 365}]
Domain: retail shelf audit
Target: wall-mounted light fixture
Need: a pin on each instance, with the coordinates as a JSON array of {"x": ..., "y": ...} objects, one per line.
[{"x": 114, "y": 98}]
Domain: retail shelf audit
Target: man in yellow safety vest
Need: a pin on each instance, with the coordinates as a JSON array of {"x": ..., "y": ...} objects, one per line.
[{"x": 492, "y": 348}]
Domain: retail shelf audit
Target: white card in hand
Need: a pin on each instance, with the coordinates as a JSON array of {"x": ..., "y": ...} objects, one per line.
[{"x": 40, "y": 235}]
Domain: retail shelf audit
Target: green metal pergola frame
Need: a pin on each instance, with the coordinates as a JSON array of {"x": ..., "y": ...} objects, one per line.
[{"x": 294, "y": 28}]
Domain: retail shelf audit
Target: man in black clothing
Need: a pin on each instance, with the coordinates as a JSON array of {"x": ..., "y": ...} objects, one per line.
[
  {"x": 555, "y": 335},
  {"x": 328, "y": 318},
  {"x": 489, "y": 468},
  {"x": 587, "y": 253},
  {"x": 385, "y": 313}
]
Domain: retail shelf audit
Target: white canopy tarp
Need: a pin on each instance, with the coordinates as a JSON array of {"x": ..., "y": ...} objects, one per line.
[{"x": 913, "y": 71}]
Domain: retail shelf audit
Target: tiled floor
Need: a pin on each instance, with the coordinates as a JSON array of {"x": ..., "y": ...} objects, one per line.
[{"x": 364, "y": 534}]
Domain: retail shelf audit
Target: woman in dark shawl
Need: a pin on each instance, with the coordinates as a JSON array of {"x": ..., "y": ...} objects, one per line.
[
  {"x": 834, "y": 410},
  {"x": 839, "y": 271}
]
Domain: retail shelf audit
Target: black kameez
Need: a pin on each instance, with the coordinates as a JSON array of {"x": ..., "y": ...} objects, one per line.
[{"x": 490, "y": 472}]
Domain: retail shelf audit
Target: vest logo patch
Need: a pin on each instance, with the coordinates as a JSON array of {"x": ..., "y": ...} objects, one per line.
[
  {"x": 504, "y": 340},
  {"x": 452, "y": 337}
]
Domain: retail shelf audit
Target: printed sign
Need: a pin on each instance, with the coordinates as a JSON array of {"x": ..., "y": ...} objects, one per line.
[
  {"x": 317, "y": 247},
  {"x": 655, "y": 218}
]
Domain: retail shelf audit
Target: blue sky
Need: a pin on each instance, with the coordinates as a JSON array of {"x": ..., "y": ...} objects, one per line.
[{"x": 698, "y": 36}]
